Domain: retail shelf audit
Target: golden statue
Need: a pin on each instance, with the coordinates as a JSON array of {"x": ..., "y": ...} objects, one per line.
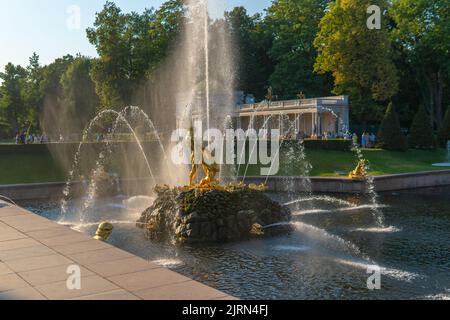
[
  {"x": 301, "y": 96},
  {"x": 360, "y": 173},
  {"x": 104, "y": 231},
  {"x": 210, "y": 170},
  {"x": 194, "y": 169}
]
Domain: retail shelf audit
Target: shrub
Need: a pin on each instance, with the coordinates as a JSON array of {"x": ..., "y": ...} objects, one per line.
[
  {"x": 335, "y": 145},
  {"x": 390, "y": 135},
  {"x": 421, "y": 132},
  {"x": 444, "y": 132}
]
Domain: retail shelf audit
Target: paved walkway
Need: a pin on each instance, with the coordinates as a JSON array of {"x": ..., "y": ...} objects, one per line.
[{"x": 35, "y": 254}]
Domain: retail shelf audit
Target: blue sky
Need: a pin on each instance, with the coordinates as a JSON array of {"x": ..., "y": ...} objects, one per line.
[{"x": 41, "y": 25}]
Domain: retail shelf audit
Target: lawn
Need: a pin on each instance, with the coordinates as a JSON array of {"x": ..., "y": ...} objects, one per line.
[
  {"x": 29, "y": 168},
  {"x": 34, "y": 168},
  {"x": 335, "y": 163}
]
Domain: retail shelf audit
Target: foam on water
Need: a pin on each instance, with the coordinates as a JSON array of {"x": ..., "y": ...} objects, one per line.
[
  {"x": 390, "y": 229},
  {"x": 292, "y": 248},
  {"x": 168, "y": 263},
  {"x": 353, "y": 208},
  {"x": 439, "y": 296},
  {"x": 322, "y": 198},
  {"x": 82, "y": 226},
  {"x": 390, "y": 272},
  {"x": 313, "y": 211},
  {"x": 138, "y": 202},
  {"x": 321, "y": 236}
]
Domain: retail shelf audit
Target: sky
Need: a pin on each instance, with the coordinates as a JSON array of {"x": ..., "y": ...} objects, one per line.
[{"x": 48, "y": 27}]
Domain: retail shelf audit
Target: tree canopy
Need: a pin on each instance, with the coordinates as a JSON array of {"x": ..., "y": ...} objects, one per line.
[
  {"x": 293, "y": 26},
  {"x": 318, "y": 47},
  {"x": 358, "y": 58},
  {"x": 422, "y": 35}
]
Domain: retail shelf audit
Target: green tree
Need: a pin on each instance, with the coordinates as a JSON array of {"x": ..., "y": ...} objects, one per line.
[
  {"x": 390, "y": 136},
  {"x": 130, "y": 46},
  {"x": 293, "y": 26},
  {"x": 12, "y": 110},
  {"x": 250, "y": 46},
  {"x": 422, "y": 34},
  {"x": 358, "y": 58},
  {"x": 79, "y": 100},
  {"x": 444, "y": 132},
  {"x": 51, "y": 89},
  {"x": 165, "y": 27},
  {"x": 32, "y": 95},
  {"x": 421, "y": 132}
]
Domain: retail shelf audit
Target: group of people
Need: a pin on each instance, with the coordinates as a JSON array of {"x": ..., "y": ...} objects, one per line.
[
  {"x": 368, "y": 140},
  {"x": 330, "y": 136},
  {"x": 23, "y": 138}
]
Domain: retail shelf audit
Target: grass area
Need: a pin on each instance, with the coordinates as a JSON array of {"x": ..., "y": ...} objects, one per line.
[
  {"x": 335, "y": 163},
  {"x": 29, "y": 168},
  {"x": 34, "y": 168}
]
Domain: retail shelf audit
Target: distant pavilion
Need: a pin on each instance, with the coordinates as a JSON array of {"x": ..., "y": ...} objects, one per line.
[{"x": 308, "y": 117}]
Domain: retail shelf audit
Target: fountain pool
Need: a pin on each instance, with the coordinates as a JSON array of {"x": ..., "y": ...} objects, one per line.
[{"x": 327, "y": 256}]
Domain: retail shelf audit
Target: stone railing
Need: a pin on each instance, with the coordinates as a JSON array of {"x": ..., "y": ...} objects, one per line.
[{"x": 306, "y": 103}]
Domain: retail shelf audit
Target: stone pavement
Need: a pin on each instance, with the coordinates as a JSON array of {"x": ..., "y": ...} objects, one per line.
[{"x": 35, "y": 254}]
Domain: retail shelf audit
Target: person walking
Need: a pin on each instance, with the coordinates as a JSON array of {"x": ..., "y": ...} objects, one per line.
[
  {"x": 373, "y": 140},
  {"x": 368, "y": 145},
  {"x": 30, "y": 138},
  {"x": 363, "y": 140},
  {"x": 22, "y": 138}
]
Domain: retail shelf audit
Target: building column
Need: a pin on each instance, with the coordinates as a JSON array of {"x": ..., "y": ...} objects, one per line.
[
  {"x": 319, "y": 124},
  {"x": 280, "y": 124},
  {"x": 315, "y": 119}
]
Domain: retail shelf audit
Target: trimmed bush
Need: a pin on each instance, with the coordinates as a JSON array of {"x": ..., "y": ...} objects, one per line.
[
  {"x": 7, "y": 149},
  {"x": 444, "y": 132},
  {"x": 335, "y": 145},
  {"x": 421, "y": 132},
  {"x": 390, "y": 135}
]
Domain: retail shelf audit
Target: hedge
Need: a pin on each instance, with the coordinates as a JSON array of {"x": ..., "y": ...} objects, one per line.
[
  {"x": 390, "y": 136},
  {"x": 62, "y": 148},
  {"x": 335, "y": 145},
  {"x": 421, "y": 132},
  {"x": 444, "y": 132},
  {"x": 69, "y": 149}
]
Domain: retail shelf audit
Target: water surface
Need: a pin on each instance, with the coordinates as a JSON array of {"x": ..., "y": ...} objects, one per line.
[{"x": 328, "y": 255}]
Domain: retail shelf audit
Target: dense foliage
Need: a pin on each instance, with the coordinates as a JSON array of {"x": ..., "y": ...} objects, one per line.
[
  {"x": 421, "y": 134},
  {"x": 390, "y": 135},
  {"x": 444, "y": 132},
  {"x": 318, "y": 47},
  {"x": 358, "y": 58}
]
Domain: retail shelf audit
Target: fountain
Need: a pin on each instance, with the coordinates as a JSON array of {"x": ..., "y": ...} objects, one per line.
[
  {"x": 321, "y": 240},
  {"x": 215, "y": 207},
  {"x": 447, "y": 164},
  {"x": 206, "y": 211}
]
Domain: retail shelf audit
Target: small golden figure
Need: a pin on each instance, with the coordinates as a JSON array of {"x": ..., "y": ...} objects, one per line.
[
  {"x": 104, "y": 231},
  {"x": 269, "y": 95},
  {"x": 301, "y": 96},
  {"x": 360, "y": 173}
]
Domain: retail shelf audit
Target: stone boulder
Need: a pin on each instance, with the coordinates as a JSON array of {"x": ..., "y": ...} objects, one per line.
[{"x": 208, "y": 216}]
